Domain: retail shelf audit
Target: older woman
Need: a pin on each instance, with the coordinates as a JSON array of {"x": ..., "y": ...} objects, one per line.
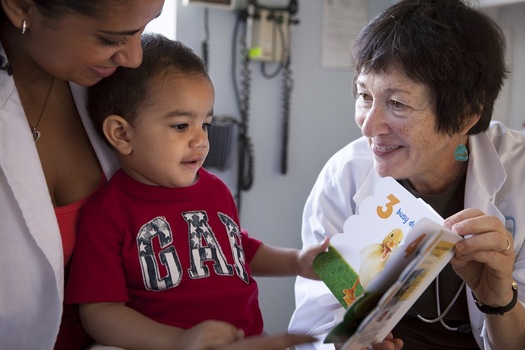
[{"x": 427, "y": 74}]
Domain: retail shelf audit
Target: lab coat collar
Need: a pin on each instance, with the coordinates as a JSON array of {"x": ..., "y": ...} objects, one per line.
[
  {"x": 485, "y": 175},
  {"x": 20, "y": 164},
  {"x": 367, "y": 188}
]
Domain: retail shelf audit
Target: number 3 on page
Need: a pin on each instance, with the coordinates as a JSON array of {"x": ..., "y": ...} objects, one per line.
[{"x": 388, "y": 209}]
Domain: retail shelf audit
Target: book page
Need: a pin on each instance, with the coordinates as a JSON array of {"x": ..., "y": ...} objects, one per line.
[
  {"x": 383, "y": 261},
  {"x": 359, "y": 253}
]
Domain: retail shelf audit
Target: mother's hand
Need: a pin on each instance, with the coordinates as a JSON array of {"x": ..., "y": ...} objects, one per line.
[
  {"x": 270, "y": 342},
  {"x": 485, "y": 259}
]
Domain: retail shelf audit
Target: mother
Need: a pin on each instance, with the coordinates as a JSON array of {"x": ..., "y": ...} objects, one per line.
[
  {"x": 50, "y": 163},
  {"x": 51, "y": 159},
  {"x": 427, "y": 74}
]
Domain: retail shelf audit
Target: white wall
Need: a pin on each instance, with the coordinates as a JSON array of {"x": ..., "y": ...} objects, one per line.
[
  {"x": 511, "y": 104},
  {"x": 166, "y": 22},
  {"x": 321, "y": 123}
]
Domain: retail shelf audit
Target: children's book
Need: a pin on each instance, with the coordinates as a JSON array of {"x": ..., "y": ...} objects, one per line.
[{"x": 388, "y": 254}]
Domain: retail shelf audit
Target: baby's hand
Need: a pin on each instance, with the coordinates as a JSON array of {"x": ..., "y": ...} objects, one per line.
[
  {"x": 209, "y": 334},
  {"x": 306, "y": 259}
]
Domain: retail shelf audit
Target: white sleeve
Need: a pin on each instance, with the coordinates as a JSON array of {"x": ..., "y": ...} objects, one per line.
[
  {"x": 317, "y": 312},
  {"x": 327, "y": 208}
]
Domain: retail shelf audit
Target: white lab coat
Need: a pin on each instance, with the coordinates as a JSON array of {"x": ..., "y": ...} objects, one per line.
[
  {"x": 494, "y": 184},
  {"x": 31, "y": 257}
]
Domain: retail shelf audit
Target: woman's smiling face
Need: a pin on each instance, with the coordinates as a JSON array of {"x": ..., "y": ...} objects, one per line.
[
  {"x": 85, "y": 49},
  {"x": 397, "y": 116}
]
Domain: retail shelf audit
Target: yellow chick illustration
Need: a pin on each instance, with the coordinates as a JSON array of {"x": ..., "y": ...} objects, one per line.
[{"x": 374, "y": 256}]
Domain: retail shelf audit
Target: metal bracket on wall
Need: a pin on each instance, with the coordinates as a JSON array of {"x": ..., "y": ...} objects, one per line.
[{"x": 269, "y": 36}]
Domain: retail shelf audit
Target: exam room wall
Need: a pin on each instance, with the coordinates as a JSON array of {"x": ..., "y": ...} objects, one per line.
[{"x": 322, "y": 121}]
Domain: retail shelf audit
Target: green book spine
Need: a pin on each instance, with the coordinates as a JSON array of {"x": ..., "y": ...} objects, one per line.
[{"x": 339, "y": 277}]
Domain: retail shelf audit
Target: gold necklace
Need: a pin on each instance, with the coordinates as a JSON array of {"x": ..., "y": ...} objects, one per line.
[{"x": 34, "y": 131}]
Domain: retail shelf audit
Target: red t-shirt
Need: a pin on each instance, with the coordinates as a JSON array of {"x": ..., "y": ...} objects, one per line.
[{"x": 176, "y": 255}]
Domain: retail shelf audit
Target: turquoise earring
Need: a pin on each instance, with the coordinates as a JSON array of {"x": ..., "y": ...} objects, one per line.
[{"x": 461, "y": 153}]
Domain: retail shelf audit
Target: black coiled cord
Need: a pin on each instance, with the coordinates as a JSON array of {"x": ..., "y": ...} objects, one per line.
[
  {"x": 246, "y": 160},
  {"x": 246, "y": 168},
  {"x": 288, "y": 83}
]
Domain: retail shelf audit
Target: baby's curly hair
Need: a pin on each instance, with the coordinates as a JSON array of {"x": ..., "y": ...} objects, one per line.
[{"x": 127, "y": 91}]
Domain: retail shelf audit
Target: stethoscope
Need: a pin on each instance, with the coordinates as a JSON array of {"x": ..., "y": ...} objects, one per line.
[{"x": 438, "y": 307}]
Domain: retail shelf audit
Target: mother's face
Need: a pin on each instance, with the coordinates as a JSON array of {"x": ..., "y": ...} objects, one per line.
[
  {"x": 397, "y": 115},
  {"x": 86, "y": 49}
]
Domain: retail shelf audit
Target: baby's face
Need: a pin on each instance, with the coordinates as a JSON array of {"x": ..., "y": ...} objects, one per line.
[{"x": 169, "y": 137}]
